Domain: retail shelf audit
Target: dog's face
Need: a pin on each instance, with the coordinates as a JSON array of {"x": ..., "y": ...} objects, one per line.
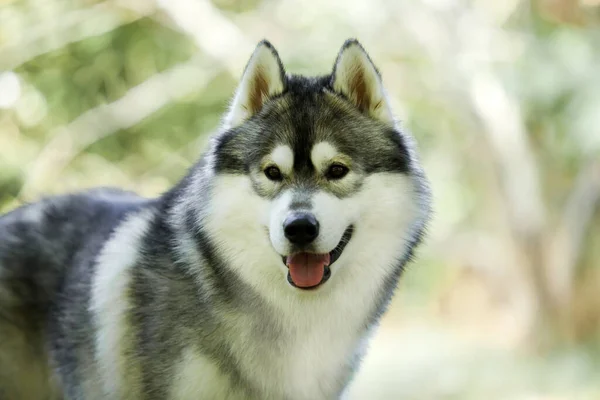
[{"x": 311, "y": 172}]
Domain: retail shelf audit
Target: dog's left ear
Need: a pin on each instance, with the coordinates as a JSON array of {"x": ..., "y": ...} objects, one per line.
[
  {"x": 263, "y": 78},
  {"x": 356, "y": 77}
]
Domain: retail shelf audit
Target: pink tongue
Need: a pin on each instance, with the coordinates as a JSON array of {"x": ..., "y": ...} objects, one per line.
[{"x": 307, "y": 269}]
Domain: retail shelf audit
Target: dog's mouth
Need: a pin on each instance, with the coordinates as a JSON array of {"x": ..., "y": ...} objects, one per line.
[{"x": 309, "y": 270}]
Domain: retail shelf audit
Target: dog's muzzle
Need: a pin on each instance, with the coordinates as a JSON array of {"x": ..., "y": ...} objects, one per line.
[{"x": 310, "y": 270}]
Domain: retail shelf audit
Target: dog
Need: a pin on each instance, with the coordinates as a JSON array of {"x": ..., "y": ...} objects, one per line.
[{"x": 260, "y": 275}]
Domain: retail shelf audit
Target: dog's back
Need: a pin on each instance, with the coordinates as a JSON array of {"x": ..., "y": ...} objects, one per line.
[{"x": 40, "y": 245}]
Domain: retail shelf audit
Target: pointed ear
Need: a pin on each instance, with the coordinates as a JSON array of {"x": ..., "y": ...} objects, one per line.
[
  {"x": 355, "y": 76},
  {"x": 263, "y": 78}
]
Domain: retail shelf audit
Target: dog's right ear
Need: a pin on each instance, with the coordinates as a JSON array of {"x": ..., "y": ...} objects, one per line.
[{"x": 263, "y": 78}]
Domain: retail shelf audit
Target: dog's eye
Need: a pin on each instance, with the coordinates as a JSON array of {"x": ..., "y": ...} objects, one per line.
[
  {"x": 273, "y": 173},
  {"x": 337, "y": 171}
]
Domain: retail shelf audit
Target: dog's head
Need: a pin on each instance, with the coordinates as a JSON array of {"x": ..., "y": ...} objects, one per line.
[{"x": 313, "y": 176}]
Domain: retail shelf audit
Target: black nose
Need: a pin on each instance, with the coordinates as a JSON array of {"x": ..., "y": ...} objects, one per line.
[{"x": 301, "y": 228}]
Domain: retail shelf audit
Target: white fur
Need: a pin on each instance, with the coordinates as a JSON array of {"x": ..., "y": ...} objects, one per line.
[
  {"x": 278, "y": 211},
  {"x": 239, "y": 215},
  {"x": 321, "y": 155},
  {"x": 198, "y": 377},
  {"x": 351, "y": 61},
  {"x": 263, "y": 61},
  {"x": 283, "y": 157},
  {"x": 321, "y": 327},
  {"x": 334, "y": 216},
  {"x": 109, "y": 305}
]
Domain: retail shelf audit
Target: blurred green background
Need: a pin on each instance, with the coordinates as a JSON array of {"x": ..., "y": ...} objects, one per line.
[{"x": 503, "y": 98}]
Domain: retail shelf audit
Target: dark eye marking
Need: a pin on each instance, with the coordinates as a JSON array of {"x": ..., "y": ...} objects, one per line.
[
  {"x": 273, "y": 173},
  {"x": 336, "y": 171}
]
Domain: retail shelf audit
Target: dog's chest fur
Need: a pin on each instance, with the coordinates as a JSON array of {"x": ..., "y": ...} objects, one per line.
[
  {"x": 310, "y": 359},
  {"x": 291, "y": 348}
]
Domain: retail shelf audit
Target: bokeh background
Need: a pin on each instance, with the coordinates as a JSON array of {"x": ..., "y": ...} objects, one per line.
[{"x": 503, "y": 98}]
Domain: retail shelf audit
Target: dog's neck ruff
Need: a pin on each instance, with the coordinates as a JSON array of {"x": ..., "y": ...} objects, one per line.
[{"x": 314, "y": 337}]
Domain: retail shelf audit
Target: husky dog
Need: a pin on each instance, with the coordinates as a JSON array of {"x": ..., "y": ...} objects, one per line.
[{"x": 260, "y": 275}]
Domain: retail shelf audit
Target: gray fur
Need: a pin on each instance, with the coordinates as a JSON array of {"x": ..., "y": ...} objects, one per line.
[{"x": 182, "y": 291}]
